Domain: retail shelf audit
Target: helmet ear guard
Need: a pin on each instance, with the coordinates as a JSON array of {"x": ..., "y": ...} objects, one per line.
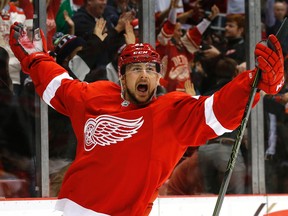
[{"x": 140, "y": 52}]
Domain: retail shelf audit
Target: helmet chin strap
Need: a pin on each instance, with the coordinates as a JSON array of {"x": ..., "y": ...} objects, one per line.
[{"x": 125, "y": 103}]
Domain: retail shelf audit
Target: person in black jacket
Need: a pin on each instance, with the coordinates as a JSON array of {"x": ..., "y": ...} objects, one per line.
[
  {"x": 15, "y": 138},
  {"x": 85, "y": 19},
  {"x": 234, "y": 44}
]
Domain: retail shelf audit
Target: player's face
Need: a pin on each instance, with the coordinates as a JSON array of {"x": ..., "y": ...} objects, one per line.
[{"x": 140, "y": 82}]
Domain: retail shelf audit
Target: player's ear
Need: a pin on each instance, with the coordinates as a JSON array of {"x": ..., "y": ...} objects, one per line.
[{"x": 123, "y": 81}]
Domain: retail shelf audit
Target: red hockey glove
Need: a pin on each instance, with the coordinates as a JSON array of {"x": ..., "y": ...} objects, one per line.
[
  {"x": 271, "y": 64},
  {"x": 23, "y": 48}
]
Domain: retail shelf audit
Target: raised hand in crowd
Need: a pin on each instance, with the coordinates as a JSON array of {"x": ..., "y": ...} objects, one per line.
[
  {"x": 99, "y": 29},
  {"x": 182, "y": 17},
  {"x": 126, "y": 16},
  {"x": 129, "y": 33},
  {"x": 70, "y": 23},
  {"x": 214, "y": 12},
  {"x": 189, "y": 87}
]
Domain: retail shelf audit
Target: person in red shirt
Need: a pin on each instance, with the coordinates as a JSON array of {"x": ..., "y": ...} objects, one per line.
[
  {"x": 129, "y": 141},
  {"x": 177, "y": 50}
]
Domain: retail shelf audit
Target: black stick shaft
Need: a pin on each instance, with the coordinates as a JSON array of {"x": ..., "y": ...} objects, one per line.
[
  {"x": 282, "y": 35},
  {"x": 236, "y": 146}
]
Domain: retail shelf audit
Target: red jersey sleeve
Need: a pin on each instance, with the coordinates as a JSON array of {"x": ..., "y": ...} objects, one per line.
[{"x": 203, "y": 117}]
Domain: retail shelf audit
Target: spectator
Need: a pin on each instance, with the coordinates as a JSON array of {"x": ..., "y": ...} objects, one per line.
[
  {"x": 207, "y": 4},
  {"x": 163, "y": 6},
  {"x": 225, "y": 70},
  {"x": 113, "y": 12},
  {"x": 15, "y": 143},
  {"x": 66, "y": 10},
  {"x": 52, "y": 7},
  {"x": 276, "y": 150},
  {"x": 134, "y": 5},
  {"x": 85, "y": 21},
  {"x": 108, "y": 162},
  {"x": 204, "y": 170},
  {"x": 186, "y": 178},
  {"x": 28, "y": 9},
  {"x": 67, "y": 48},
  {"x": 6, "y": 20},
  {"x": 56, "y": 174},
  {"x": 177, "y": 50},
  {"x": 213, "y": 159},
  {"x": 280, "y": 12},
  {"x": 84, "y": 18},
  {"x": 162, "y": 9},
  {"x": 214, "y": 156},
  {"x": 235, "y": 43},
  {"x": 78, "y": 56}
]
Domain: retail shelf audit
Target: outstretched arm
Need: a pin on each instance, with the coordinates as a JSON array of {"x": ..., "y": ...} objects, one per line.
[
  {"x": 48, "y": 77},
  {"x": 270, "y": 63},
  {"x": 224, "y": 110}
]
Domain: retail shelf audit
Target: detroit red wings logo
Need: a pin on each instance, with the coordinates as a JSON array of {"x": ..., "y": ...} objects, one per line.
[{"x": 107, "y": 130}]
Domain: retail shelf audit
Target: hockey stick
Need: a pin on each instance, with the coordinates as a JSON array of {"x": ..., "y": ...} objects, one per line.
[{"x": 282, "y": 36}]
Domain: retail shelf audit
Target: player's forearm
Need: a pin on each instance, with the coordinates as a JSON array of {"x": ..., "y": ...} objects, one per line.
[{"x": 230, "y": 102}]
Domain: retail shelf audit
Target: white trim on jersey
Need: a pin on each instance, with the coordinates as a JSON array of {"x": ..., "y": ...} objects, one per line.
[
  {"x": 211, "y": 119},
  {"x": 68, "y": 207},
  {"x": 52, "y": 87}
]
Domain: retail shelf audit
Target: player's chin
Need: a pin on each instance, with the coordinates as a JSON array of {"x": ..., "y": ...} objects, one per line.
[{"x": 143, "y": 98}]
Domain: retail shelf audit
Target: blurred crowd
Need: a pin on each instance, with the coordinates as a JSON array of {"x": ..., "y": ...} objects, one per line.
[{"x": 202, "y": 47}]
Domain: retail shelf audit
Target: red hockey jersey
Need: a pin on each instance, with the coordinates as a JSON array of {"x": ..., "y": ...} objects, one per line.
[{"x": 125, "y": 152}]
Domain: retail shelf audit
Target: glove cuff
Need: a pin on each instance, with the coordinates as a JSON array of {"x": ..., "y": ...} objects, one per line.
[{"x": 28, "y": 61}]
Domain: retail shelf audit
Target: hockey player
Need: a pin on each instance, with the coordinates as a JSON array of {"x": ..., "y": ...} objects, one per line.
[{"x": 128, "y": 140}]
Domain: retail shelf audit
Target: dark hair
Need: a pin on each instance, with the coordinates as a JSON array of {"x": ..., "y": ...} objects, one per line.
[
  {"x": 226, "y": 68},
  {"x": 238, "y": 18}
]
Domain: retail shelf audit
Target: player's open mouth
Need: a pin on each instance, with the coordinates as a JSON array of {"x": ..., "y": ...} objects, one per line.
[{"x": 142, "y": 88}]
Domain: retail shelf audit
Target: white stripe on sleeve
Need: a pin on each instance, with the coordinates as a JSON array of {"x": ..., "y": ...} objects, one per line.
[
  {"x": 69, "y": 207},
  {"x": 52, "y": 87},
  {"x": 211, "y": 119}
]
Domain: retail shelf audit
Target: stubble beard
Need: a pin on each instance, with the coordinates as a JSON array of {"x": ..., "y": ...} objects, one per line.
[{"x": 137, "y": 102}]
